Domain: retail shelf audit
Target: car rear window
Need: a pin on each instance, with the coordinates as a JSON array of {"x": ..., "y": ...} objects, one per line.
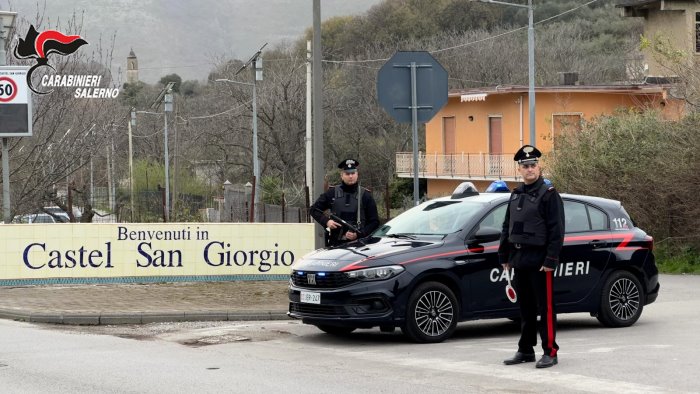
[{"x": 622, "y": 221}]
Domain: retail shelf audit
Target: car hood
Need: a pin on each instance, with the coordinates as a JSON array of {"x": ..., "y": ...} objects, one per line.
[{"x": 372, "y": 252}]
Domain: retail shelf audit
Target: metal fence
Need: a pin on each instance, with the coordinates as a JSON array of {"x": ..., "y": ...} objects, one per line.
[
  {"x": 237, "y": 208},
  {"x": 233, "y": 207}
]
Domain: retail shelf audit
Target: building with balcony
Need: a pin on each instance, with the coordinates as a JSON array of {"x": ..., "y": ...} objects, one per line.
[
  {"x": 475, "y": 135},
  {"x": 674, "y": 21}
]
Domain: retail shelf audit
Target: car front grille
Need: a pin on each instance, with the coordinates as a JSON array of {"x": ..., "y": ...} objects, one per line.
[
  {"x": 318, "y": 310},
  {"x": 321, "y": 280}
]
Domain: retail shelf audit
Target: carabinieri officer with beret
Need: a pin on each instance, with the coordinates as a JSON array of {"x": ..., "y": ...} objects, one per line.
[
  {"x": 350, "y": 202},
  {"x": 532, "y": 237}
]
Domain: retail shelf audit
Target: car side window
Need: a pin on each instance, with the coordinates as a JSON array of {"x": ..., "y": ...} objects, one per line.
[
  {"x": 575, "y": 217},
  {"x": 599, "y": 220},
  {"x": 495, "y": 218}
]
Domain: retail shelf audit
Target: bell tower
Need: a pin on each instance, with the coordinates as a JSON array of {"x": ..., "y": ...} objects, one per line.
[{"x": 132, "y": 68}]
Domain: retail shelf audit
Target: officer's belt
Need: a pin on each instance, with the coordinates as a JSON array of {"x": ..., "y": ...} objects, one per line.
[{"x": 520, "y": 246}]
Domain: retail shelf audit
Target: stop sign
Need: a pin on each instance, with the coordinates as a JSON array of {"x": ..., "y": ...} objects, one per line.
[{"x": 394, "y": 85}]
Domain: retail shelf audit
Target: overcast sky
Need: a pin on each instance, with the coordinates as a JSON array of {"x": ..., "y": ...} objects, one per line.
[{"x": 182, "y": 36}]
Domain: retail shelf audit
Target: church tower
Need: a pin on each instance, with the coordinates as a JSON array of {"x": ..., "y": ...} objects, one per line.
[{"x": 132, "y": 68}]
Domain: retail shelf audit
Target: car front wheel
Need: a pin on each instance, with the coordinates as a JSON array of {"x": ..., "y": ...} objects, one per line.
[
  {"x": 622, "y": 300},
  {"x": 432, "y": 313}
]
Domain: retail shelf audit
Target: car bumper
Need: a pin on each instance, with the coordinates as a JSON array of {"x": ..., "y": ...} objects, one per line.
[
  {"x": 363, "y": 304},
  {"x": 651, "y": 296}
]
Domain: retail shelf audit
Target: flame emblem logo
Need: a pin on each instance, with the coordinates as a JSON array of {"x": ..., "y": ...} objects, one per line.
[{"x": 40, "y": 45}]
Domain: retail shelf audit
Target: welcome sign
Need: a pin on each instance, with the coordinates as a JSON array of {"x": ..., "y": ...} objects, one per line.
[{"x": 120, "y": 252}]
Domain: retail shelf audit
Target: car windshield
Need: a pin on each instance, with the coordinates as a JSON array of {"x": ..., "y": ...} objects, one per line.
[{"x": 437, "y": 218}]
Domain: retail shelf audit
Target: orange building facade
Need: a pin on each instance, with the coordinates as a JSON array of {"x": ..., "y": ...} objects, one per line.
[{"x": 473, "y": 138}]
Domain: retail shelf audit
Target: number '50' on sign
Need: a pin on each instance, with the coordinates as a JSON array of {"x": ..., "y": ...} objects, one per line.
[{"x": 8, "y": 89}]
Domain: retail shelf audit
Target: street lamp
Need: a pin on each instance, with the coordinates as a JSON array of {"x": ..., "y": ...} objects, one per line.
[
  {"x": 530, "y": 60},
  {"x": 256, "y": 163},
  {"x": 168, "y": 107},
  {"x": 7, "y": 19}
]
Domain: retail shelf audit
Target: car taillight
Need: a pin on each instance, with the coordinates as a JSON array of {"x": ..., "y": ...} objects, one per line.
[{"x": 649, "y": 242}]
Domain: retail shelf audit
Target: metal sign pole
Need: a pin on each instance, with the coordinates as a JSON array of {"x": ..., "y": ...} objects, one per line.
[
  {"x": 399, "y": 97},
  {"x": 414, "y": 124},
  {"x": 6, "y": 181}
]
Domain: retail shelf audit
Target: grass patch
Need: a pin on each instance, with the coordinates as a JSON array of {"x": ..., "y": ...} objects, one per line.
[{"x": 670, "y": 260}]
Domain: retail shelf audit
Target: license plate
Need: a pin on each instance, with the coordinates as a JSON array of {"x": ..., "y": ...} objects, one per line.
[{"x": 310, "y": 298}]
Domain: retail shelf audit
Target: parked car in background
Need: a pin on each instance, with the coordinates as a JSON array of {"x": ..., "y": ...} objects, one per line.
[
  {"x": 38, "y": 218},
  {"x": 61, "y": 215},
  {"x": 436, "y": 265}
]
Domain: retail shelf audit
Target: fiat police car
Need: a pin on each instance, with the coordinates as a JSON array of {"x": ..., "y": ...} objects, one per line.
[{"x": 436, "y": 265}]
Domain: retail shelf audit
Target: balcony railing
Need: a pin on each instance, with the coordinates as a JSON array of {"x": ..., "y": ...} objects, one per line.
[{"x": 462, "y": 166}]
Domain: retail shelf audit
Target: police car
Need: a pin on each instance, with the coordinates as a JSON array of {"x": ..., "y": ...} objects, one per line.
[{"x": 436, "y": 265}]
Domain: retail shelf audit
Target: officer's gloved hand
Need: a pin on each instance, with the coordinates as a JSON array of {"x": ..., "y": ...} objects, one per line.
[{"x": 332, "y": 224}]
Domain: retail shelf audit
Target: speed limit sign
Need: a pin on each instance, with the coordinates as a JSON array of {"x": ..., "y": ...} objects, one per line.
[
  {"x": 8, "y": 89},
  {"x": 15, "y": 102}
]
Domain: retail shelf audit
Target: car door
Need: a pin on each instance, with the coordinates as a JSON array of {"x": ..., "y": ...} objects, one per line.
[
  {"x": 585, "y": 254},
  {"x": 486, "y": 276}
]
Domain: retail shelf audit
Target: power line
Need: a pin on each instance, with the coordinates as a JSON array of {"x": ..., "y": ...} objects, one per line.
[
  {"x": 468, "y": 43},
  {"x": 215, "y": 115},
  {"x": 182, "y": 66}
]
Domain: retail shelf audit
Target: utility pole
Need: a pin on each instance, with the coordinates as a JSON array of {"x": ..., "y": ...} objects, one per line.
[
  {"x": 174, "y": 199},
  {"x": 530, "y": 60},
  {"x": 168, "y": 107},
  {"x": 92, "y": 177},
  {"x": 132, "y": 124},
  {"x": 531, "y": 70},
  {"x": 309, "y": 147},
  {"x": 110, "y": 197},
  {"x": 319, "y": 172},
  {"x": 7, "y": 19},
  {"x": 257, "y": 62}
]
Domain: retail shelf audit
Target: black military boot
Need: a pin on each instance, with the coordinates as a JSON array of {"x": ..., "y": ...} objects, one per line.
[
  {"x": 520, "y": 358},
  {"x": 547, "y": 361}
]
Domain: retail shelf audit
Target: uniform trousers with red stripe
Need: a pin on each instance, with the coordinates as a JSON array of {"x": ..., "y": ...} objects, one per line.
[{"x": 536, "y": 299}]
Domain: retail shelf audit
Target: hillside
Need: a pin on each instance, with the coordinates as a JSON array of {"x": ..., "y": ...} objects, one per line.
[{"x": 182, "y": 36}]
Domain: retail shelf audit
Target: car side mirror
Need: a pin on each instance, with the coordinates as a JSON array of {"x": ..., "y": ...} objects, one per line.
[{"x": 487, "y": 234}]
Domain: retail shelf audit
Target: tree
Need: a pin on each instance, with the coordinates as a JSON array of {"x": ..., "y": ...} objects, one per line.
[
  {"x": 67, "y": 132},
  {"x": 176, "y": 79},
  {"x": 681, "y": 64},
  {"x": 649, "y": 164}
]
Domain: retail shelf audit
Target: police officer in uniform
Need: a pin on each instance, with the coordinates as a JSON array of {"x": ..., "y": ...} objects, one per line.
[
  {"x": 350, "y": 202},
  {"x": 532, "y": 237}
]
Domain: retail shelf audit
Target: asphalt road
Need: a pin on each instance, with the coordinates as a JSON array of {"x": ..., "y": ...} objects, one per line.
[{"x": 657, "y": 354}]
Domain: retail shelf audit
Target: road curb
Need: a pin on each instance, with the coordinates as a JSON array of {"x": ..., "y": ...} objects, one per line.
[{"x": 116, "y": 318}]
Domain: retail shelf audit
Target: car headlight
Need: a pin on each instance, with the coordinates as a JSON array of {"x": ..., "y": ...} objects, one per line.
[{"x": 378, "y": 273}]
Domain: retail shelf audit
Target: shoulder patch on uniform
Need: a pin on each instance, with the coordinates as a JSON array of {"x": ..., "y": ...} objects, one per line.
[{"x": 550, "y": 189}]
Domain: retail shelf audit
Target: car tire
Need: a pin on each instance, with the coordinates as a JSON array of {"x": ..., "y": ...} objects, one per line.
[
  {"x": 336, "y": 330},
  {"x": 432, "y": 313},
  {"x": 621, "y": 301}
]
